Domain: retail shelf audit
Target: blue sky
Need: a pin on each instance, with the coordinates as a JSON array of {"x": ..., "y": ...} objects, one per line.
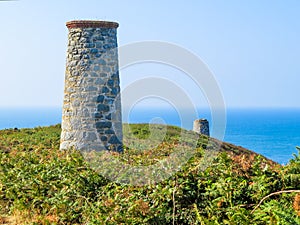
[{"x": 252, "y": 47}]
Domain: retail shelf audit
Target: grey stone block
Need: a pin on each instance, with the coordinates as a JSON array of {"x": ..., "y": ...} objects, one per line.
[
  {"x": 114, "y": 140},
  {"x": 100, "y": 125},
  {"x": 103, "y": 108},
  {"x": 100, "y": 98}
]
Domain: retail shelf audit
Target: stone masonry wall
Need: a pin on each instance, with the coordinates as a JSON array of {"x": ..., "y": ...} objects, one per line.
[
  {"x": 201, "y": 126},
  {"x": 92, "y": 106}
]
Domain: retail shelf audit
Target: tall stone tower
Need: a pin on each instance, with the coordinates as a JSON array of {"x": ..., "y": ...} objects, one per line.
[
  {"x": 91, "y": 117},
  {"x": 201, "y": 126}
]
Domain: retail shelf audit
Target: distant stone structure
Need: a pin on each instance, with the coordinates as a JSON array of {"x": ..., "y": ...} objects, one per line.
[
  {"x": 201, "y": 126},
  {"x": 92, "y": 106}
]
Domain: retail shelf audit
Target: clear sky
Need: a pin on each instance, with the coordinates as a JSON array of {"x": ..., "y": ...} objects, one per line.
[{"x": 252, "y": 47}]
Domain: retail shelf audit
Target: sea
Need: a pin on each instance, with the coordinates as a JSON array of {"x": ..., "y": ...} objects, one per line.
[{"x": 272, "y": 132}]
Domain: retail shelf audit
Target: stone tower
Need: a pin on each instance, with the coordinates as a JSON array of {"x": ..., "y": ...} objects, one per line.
[
  {"x": 91, "y": 117},
  {"x": 201, "y": 126}
]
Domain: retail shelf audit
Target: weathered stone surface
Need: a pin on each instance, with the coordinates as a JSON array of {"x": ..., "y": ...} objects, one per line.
[
  {"x": 100, "y": 99},
  {"x": 103, "y": 108},
  {"x": 105, "y": 90},
  {"x": 103, "y": 138},
  {"x": 91, "y": 136},
  {"x": 100, "y": 125},
  {"x": 109, "y": 132},
  {"x": 90, "y": 115},
  {"x": 201, "y": 126},
  {"x": 114, "y": 140}
]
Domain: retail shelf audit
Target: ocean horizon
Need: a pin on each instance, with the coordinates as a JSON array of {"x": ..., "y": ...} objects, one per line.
[{"x": 273, "y": 132}]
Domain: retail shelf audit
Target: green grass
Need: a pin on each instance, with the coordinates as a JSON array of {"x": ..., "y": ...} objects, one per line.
[{"x": 39, "y": 184}]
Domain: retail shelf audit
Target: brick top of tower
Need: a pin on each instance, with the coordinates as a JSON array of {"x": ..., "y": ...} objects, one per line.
[{"x": 91, "y": 24}]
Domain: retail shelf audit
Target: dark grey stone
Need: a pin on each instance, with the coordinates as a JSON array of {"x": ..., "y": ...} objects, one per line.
[
  {"x": 109, "y": 101},
  {"x": 94, "y": 50},
  {"x": 103, "y": 108},
  {"x": 114, "y": 140},
  {"x": 120, "y": 148},
  {"x": 108, "y": 117},
  {"x": 109, "y": 132},
  {"x": 100, "y": 99},
  {"x": 98, "y": 115},
  {"x": 105, "y": 90},
  {"x": 101, "y": 125},
  {"x": 115, "y": 76},
  {"x": 100, "y": 131},
  {"x": 110, "y": 83},
  {"x": 103, "y": 138},
  {"x": 114, "y": 91}
]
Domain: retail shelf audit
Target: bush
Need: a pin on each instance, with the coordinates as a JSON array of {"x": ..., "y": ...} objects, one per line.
[{"x": 43, "y": 185}]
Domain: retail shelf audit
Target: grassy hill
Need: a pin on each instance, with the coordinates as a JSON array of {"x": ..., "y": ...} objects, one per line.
[{"x": 217, "y": 183}]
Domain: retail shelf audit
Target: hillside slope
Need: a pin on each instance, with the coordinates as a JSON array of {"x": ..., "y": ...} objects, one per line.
[{"x": 41, "y": 185}]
